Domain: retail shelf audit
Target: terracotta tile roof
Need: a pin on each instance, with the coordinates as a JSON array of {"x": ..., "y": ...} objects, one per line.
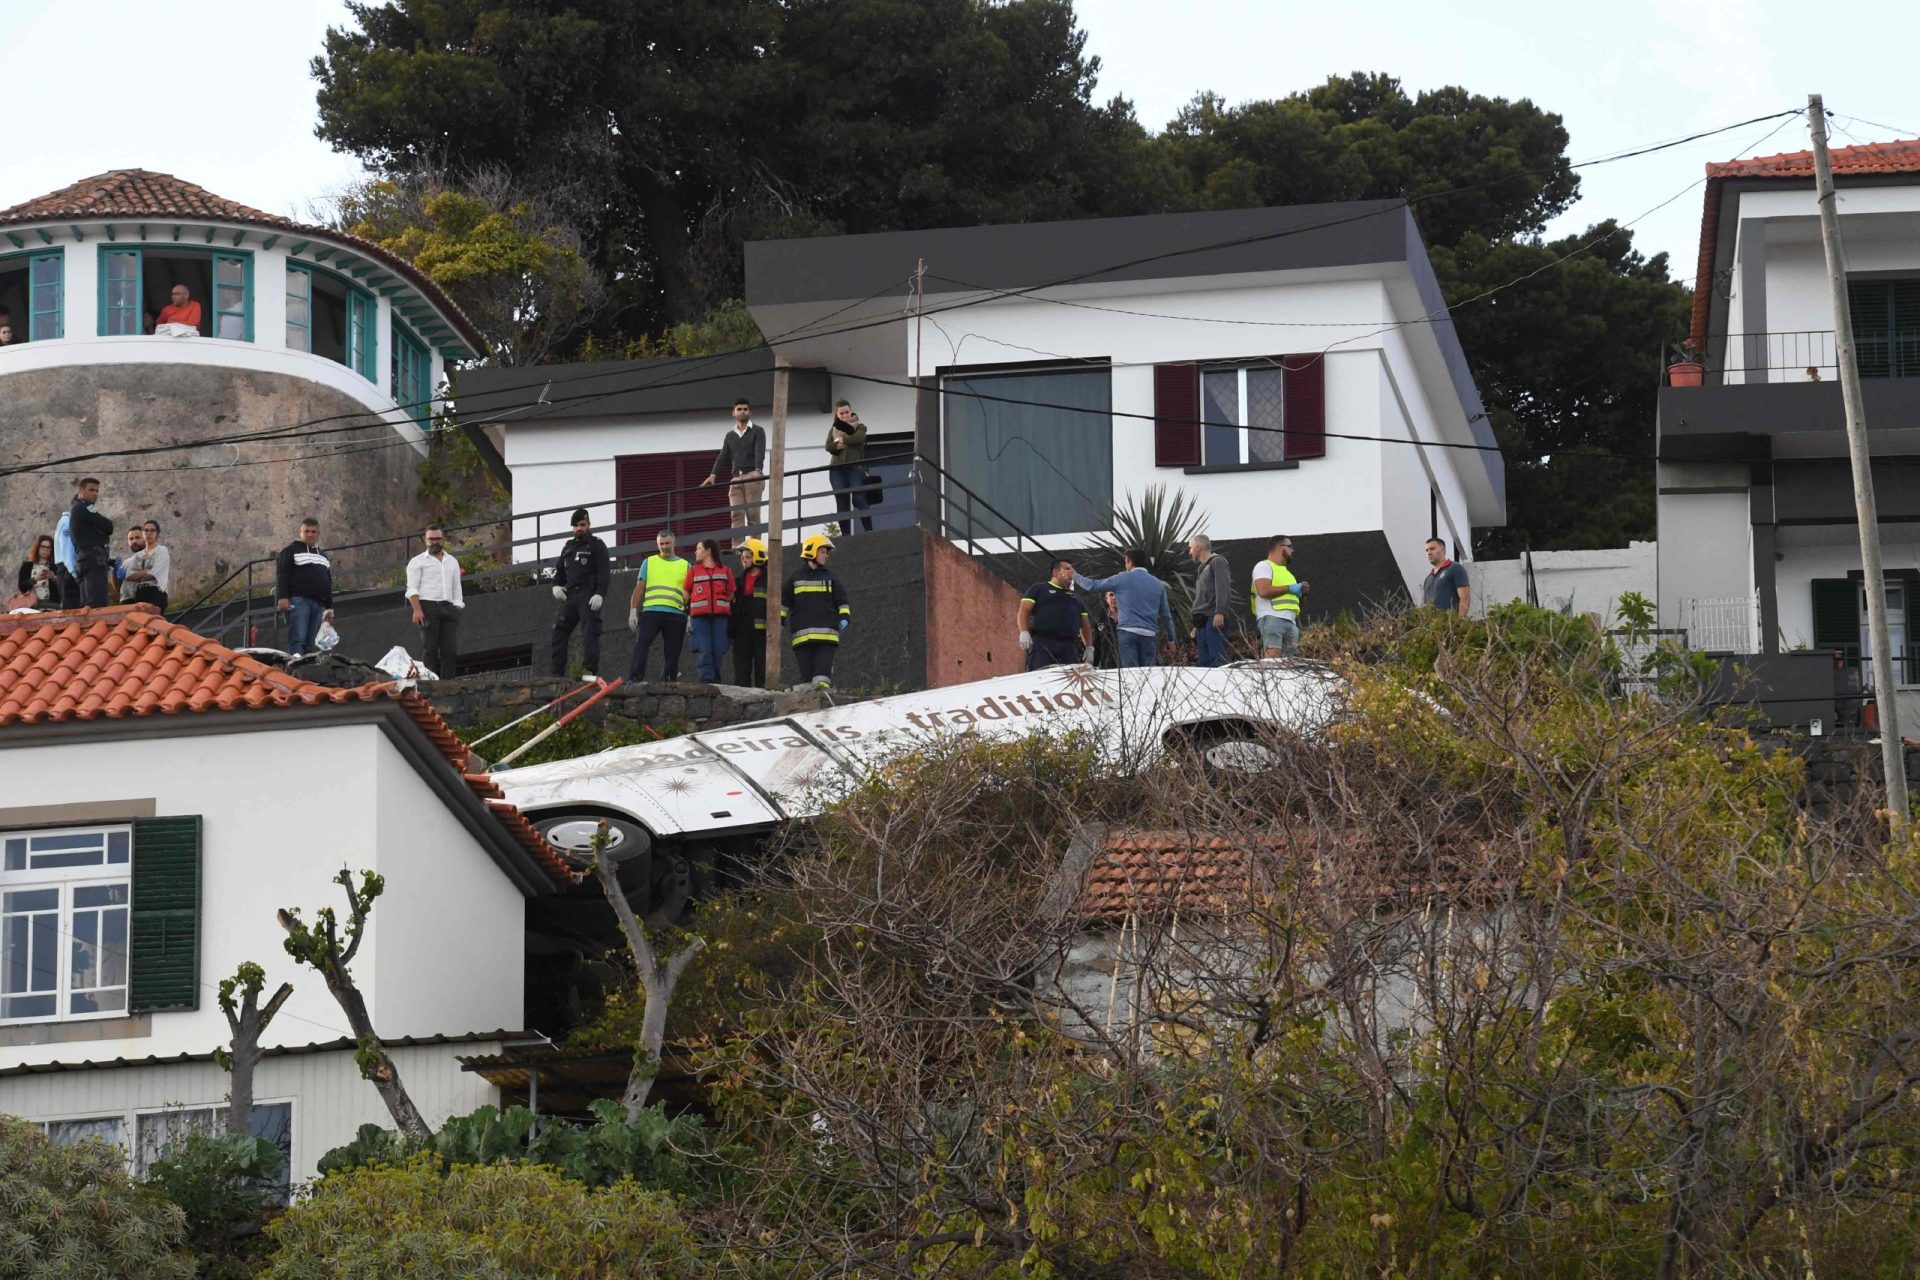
[
  {"x": 1161, "y": 873},
  {"x": 141, "y": 193},
  {"x": 131, "y": 663},
  {"x": 1902, "y": 156}
]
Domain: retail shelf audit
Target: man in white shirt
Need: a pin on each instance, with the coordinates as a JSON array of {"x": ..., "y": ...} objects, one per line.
[
  {"x": 148, "y": 582},
  {"x": 433, "y": 592}
]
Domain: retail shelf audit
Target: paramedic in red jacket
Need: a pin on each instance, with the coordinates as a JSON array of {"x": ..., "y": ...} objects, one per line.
[{"x": 709, "y": 607}]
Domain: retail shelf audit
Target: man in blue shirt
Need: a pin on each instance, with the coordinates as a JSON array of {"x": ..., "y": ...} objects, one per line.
[
  {"x": 1144, "y": 610},
  {"x": 1446, "y": 587}
]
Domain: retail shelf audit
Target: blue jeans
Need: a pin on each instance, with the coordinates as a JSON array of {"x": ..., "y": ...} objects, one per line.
[
  {"x": 709, "y": 645},
  {"x": 849, "y": 482},
  {"x": 1139, "y": 650},
  {"x": 1210, "y": 645},
  {"x": 303, "y": 624}
]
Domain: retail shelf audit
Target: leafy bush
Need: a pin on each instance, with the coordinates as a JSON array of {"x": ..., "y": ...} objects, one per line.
[
  {"x": 227, "y": 1187},
  {"x": 428, "y": 1217},
  {"x": 72, "y": 1211},
  {"x": 656, "y": 1151}
]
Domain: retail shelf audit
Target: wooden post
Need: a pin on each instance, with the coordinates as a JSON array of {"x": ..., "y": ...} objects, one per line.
[
  {"x": 776, "y": 487},
  {"x": 1866, "y": 513}
]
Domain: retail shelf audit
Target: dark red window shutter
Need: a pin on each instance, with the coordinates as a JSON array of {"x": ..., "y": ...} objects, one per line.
[
  {"x": 1305, "y": 379},
  {"x": 1176, "y": 415}
]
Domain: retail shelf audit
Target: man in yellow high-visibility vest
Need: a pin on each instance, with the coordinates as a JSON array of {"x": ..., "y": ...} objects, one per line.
[
  {"x": 659, "y": 608},
  {"x": 1276, "y": 600}
]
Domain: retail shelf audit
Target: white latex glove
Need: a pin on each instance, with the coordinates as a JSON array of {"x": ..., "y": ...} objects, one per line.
[
  {"x": 1026, "y": 642},
  {"x": 1087, "y": 657},
  {"x": 560, "y": 594},
  {"x": 593, "y": 603},
  {"x": 633, "y": 619}
]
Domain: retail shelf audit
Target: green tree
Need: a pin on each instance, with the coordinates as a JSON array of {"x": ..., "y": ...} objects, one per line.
[
  {"x": 499, "y": 1221},
  {"x": 71, "y": 1210},
  {"x": 503, "y": 253}
]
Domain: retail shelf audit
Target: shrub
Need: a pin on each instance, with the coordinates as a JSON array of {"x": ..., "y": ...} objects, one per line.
[
  {"x": 73, "y": 1211},
  {"x": 227, "y": 1187},
  {"x": 499, "y": 1221}
]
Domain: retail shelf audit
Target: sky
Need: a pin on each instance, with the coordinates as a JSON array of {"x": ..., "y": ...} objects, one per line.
[{"x": 218, "y": 91}]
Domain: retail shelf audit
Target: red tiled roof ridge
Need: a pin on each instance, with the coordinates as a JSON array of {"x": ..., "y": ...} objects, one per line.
[
  {"x": 1901, "y": 155},
  {"x": 148, "y": 193},
  {"x": 165, "y": 669}
]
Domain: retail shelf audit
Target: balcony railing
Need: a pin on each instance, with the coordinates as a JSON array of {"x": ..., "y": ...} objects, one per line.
[{"x": 1801, "y": 355}]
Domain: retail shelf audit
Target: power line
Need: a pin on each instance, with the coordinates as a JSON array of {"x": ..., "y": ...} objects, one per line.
[{"x": 299, "y": 429}]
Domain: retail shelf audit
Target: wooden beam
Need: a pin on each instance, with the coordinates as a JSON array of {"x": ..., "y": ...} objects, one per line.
[
  {"x": 18, "y": 243},
  {"x": 321, "y": 255},
  {"x": 209, "y": 235},
  {"x": 43, "y": 235},
  {"x": 269, "y": 242},
  {"x": 176, "y": 232},
  {"x": 78, "y": 234},
  {"x": 379, "y": 278},
  {"x": 110, "y": 234},
  {"x": 238, "y": 236},
  {"x": 300, "y": 248},
  {"x": 143, "y": 231}
]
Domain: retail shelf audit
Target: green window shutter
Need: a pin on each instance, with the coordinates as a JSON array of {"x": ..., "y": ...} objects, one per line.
[
  {"x": 165, "y": 936},
  {"x": 1836, "y": 617}
]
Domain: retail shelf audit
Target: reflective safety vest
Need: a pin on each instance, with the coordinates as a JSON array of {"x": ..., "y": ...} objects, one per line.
[
  {"x": 1287, "y": 605},
  {"x": 666, "y": 584}
]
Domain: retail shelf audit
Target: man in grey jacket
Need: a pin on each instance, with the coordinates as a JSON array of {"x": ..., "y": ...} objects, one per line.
[{"x": 1210, "y": 596}]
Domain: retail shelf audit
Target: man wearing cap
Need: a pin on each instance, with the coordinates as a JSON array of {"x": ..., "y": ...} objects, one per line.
[{"x": 581, "y": 576}]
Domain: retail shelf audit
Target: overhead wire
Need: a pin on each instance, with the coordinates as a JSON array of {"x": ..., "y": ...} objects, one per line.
[{"x": 678, "y": 378}]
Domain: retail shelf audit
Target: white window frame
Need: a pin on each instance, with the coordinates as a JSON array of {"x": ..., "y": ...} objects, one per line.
[
  {"x": 1897, "y": 637},
  {"x": 66, "y": 882},
  {"x": 1243, "y": 454},
  {"x": 127, "y": 1122}
]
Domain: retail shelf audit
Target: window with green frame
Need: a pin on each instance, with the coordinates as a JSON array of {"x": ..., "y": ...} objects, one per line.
[
  {"x": 361, "y": 335},
  {"x": 46, "y": 296},
  {"x": 136, "y": 281},
  {"x": 299, "y": 308},
  {"x": 1886, "y": 327},
  {"x": 412, "y": 375}
]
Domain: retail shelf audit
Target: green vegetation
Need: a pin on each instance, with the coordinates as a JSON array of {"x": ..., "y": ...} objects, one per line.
[{"x": 72, "y": 1211}]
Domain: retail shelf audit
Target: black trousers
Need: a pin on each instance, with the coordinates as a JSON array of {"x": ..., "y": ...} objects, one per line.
[
  {"x": 750, "y": 657},
  {"x": 440, "y": 636},
  {"x": 93, "y": 578},
  {"x": 1054, "y": 651},
  {"x": 572, "y": 614},
  {"x": 815, "y": 660},
  {"x": 672, "y": 629}
]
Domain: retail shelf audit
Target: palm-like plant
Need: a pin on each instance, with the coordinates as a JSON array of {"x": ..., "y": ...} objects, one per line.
[{"x": 1159, "y": 522}]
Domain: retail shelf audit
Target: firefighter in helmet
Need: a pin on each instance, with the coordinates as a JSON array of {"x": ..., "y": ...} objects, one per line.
[
  {"x": 813, "y": 604},
  {"x": 747, "y": 625}
]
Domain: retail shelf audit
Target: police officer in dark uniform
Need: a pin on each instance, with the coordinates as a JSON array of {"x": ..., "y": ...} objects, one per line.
[
  {"x": 1054, "y": 628},
  {"x": 580, "y": 579},
  {"x": 92, "y": 535}
]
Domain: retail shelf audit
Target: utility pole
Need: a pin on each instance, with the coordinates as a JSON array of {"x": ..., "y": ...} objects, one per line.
[
  {"x": 926, "y": 505},
  {"x": 1866, "y": 510},
  {"x": 776, "y": 486}
]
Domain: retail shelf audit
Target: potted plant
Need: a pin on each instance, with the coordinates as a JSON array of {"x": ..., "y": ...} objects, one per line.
[{"x": 1687, "y": 371}]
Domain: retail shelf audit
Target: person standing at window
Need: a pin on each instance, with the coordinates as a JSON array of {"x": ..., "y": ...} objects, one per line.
[
  {"x": 181, "y": 312},
  {"x": 709, "y": 607},
  {"x": 847, "y": 443},
  {"x": 303, "y": 580},
  {"x": 91, "y": 533},
  {"x": 1446, "y": 587},
  {"x": 743, "y": 455},
  {"x": 434, "y": 594}
]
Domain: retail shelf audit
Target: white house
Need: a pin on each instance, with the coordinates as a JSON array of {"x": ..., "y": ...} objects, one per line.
[
  {"x": 1759, "y": 546},
  {"x": 160, "y": 798},
  {"x": 1293, "y": 369},
  {"x": 294, "y": 327}
]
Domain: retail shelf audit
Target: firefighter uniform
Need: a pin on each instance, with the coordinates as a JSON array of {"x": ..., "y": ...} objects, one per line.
[{"x": 814, "y": 608}]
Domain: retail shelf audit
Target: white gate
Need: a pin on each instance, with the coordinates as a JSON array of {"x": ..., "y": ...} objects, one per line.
[{"x": 1731, "y": 625}]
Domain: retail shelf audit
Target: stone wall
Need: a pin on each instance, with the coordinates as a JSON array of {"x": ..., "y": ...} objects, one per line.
[{"x": 219, "y": 506}]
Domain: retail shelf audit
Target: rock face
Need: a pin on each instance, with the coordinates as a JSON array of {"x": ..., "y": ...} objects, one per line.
[{"x": 219, "y": 505}]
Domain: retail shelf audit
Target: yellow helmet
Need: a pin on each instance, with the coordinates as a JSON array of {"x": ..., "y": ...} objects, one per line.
[
  {"x": 811, "y": 546},
  {"x": 758, "y": 548}
]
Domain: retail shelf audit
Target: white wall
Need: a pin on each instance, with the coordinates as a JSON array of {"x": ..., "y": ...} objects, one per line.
[
  {"x": 1581, "y": 581},
  {"x": 283, "y": 810},
  {"x": 330, "y": 1100},
  {"x": 1705, "y": 539}
]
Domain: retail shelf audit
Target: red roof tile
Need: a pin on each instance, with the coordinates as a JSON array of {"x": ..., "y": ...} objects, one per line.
[
  {"x": 141, "y": 193},
  {"x": 1902, "y": 156},
  {"x": 129, "y": 662},
  {"x": 1161, "y": 873}
]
